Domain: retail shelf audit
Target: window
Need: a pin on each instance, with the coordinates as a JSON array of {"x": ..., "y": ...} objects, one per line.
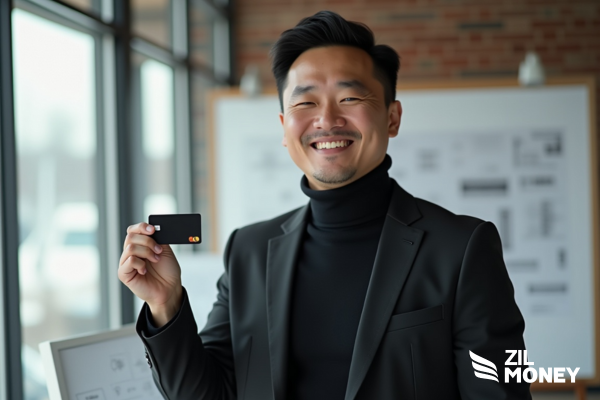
[
  {"x": 91, "y": 6},
  {"x": 157, "y": 130},
  {"x": 152, "y": 20},
  {"x": 55, "y": 121},
  {"x": 104, "y": 135}
]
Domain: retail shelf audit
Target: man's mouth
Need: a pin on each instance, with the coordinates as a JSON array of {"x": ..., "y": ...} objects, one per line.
[{"x": 332, "y": 144}]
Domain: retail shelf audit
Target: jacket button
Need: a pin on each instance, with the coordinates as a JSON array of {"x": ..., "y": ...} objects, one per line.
[{"x": 148, "y": 360}]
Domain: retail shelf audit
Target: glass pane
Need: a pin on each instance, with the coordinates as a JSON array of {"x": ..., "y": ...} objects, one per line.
[
  {"x": 152, "y": 20},
  {"x": 90, "y": 6},
  {"x": 158, "y": 138},
  {"x": 201, "y": 34},
  {"x": 58, "y": 216},
  {"x": 155, "y": 167}
]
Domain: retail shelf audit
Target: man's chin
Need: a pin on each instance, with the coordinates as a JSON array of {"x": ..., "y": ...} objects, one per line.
[{"x": 334, "y": 177}]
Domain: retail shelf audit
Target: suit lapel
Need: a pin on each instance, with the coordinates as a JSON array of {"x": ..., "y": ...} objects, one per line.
[
  {"x": 398, "y": 246},
  {"x": 281, "y": 260}
]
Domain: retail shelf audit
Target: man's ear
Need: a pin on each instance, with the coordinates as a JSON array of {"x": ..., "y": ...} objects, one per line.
[
  {"x": 284, "y": 140},
  {"x": 394, "y": 116}
]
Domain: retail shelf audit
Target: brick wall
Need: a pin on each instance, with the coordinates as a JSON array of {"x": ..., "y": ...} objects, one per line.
[{"x": 442, "y": 39}]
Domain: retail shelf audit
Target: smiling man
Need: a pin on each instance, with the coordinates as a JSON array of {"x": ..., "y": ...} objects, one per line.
[
  {"x": 364, "y": 293},
  {"x": 336, "y": 115}
]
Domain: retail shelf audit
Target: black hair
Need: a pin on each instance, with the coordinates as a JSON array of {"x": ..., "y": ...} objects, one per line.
[{"x": 327, "y": 28}]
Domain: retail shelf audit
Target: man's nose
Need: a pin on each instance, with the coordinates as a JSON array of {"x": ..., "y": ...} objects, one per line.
[{"x": 329, "y": 117}]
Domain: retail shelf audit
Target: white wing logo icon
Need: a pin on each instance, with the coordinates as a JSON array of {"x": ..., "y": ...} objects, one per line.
[{"x": 486, "y": 368}]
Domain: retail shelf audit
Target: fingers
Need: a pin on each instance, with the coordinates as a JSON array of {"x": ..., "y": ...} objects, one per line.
[
  {"x": 142, "y": 228},
  {"x": 138, "y": 248},
  {"x": 130, "y": 268},
  {"x": 136, "y": 238},
  {"x": 139, "y": 251}
]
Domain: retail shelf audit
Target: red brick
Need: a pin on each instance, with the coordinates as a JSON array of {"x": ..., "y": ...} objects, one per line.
[
  {"x": 568, "y": 47},
  {"x": 581, "y": 70},
  {"x": 436, "y": 48},
  {"x": 516, "y": 13},
  {"x": 592, "y": 46},
  {"x": 436, "y": 39},
  {"x": 553, "y": 60},
  {"x": 414, "y": 27},
  {"x": 422, "y": 76},
  {"x": 457, "y": 14},
  {"x": 519, "y": 48},
  {"x": 548, "y": 24},
  {"x": 408, "y": 52},
  {"x": 566, "y": 11},
  {"x": 454, "y": 62},
  {"x": 582, "y": 35},
  {"x": 513, "y": 36},
  {"x": 475, "y": 37},
  {"x": 488, "y": 48}
]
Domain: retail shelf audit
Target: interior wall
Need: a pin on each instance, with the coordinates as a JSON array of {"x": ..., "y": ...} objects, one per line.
[{"x": 442, "y": 39}]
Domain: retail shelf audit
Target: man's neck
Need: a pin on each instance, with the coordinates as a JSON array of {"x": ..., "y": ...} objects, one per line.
[{"x": 363, "y": 200}]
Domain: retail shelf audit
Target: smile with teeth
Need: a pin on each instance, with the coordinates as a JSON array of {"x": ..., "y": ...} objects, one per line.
[{"x": 332, "y": 145}]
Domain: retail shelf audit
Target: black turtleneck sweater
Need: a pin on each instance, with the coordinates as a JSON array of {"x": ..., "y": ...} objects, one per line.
[{"x": 331, "y": 280}]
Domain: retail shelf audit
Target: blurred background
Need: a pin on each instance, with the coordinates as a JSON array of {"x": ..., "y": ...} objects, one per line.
[{"x": 105, "y": 107}]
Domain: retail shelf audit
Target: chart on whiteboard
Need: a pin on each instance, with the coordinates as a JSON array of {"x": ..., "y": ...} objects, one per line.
[
  {"x": 111, "y": 370},
  {"x": 517, "y": 180}
]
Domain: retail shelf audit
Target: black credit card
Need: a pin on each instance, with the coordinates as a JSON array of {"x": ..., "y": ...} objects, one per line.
[{"x": 176, "y": 228}]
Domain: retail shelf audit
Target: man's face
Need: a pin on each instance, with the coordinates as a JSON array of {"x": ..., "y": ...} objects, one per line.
[{"x": 336, "y": 125}]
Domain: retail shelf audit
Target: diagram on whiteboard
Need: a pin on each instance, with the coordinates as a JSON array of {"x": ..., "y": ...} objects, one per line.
[
  {"x": 112, "y": 370},
  {"x": 517, "y": 180}
]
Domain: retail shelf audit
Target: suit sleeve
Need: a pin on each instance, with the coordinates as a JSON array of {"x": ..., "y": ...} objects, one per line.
[
  {"x": 486, "y": 319},
  {"x": 186, "y": 364}
]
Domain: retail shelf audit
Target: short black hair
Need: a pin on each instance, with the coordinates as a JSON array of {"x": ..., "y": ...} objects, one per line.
[{"x": 327, "y": 28}]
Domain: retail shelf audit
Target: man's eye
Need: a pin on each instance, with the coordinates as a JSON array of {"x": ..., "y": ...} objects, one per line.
[
  {"x": 304, "y": 103},
  {"x": 349, "y": 99}
]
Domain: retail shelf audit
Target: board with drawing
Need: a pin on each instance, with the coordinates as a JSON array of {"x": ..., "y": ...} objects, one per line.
[{"x": 105, "y": 366}]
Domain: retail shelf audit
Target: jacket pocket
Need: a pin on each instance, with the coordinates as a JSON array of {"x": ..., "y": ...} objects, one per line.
[{"x": 416, "y": 318}]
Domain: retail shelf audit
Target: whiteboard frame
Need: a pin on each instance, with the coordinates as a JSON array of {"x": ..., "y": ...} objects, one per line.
[
  {"x": 588, "y": 81},
  {"x": 53, "y": 367}
]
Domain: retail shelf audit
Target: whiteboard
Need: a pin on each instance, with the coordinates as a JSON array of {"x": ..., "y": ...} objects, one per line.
[
  {"x": 522, "y": 158},
  {"x": 104, "y": 366}
]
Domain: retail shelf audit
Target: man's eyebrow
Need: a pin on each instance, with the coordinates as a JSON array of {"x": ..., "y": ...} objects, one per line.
[
  {"x": 354, "y": 84},
  {"x": 300, "y": 90}
]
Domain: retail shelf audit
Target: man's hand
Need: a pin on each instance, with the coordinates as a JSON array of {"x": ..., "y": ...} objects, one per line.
[{"x": 151, "y": 272}]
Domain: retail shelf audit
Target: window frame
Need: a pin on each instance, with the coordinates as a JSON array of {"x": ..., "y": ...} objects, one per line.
[
  {"x": 10, "y": 347},
  {"x": 114, "y": 44}
]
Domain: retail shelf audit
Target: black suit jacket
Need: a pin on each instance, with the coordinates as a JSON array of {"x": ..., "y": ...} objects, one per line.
[{"x": 439, "y": 289}]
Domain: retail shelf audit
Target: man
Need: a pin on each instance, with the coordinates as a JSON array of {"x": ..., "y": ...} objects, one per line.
[{"x": 366, "y": 292}]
